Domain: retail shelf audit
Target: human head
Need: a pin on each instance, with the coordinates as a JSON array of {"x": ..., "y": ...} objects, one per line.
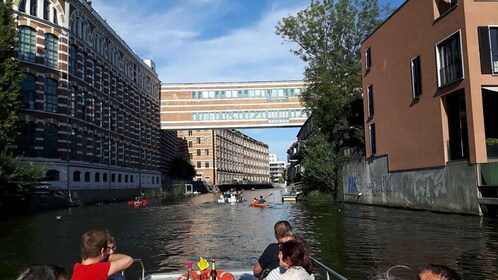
[
  {"x": 283, "y": 231},
  {"x": 94, "y": 244},
  {"x": 438, "y": 272},
  {"x": 43, "y": 272},
  {"x": 294, "y": 253}
]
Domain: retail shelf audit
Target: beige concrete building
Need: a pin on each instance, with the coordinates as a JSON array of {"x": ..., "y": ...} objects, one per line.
[
  {"x": 430, "y": 86},
  {"x": 232, "y": 105},
  {"x": 225, "y": 156}
]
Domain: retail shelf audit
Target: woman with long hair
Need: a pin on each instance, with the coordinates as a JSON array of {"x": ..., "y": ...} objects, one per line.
[{"x": 294, "y": 258}]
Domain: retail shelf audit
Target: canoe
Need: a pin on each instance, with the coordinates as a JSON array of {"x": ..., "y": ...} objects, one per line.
[
  {"x": 260, "y": 205},
  {"x": 138, "y": 203}
]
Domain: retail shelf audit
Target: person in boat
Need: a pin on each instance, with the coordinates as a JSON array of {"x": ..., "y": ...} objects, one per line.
[
  {"x": 97, "y": 261},
  {"x": 261, "y": 199},
  {"x": 112, "y": 249},
  {"x": 294, "y": 258},
  {"x": 438, "y": 272},
  {"x": 43, "y": 272},
  {"x": 269, "y": 259},
  {"x": 254, "y": 201}
]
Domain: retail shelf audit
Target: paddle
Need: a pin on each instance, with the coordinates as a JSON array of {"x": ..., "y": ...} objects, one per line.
[{"x": 268, "y": 196}]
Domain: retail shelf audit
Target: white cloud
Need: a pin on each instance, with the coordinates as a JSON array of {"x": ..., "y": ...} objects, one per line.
[{"x": 173, "y": 39}]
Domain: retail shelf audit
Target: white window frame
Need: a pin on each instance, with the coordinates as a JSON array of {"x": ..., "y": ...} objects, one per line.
[{"x": 438, "y": 60}]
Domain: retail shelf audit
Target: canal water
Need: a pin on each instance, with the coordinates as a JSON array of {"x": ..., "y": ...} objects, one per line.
[{"x": 355, "y": 240}]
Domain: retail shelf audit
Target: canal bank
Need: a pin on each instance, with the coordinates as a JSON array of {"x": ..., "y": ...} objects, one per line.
[{"x": 452, "y": 188}]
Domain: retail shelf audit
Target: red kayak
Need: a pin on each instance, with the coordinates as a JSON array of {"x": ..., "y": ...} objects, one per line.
[{"x": 138, "y": 203}]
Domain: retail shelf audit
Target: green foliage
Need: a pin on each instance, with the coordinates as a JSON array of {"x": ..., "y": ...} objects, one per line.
[
  {"x": 491, "y": 141},
  {"x": 11, "y": 76},
  {"x": 181, "y": 169},
  {"x": 328, "y": 35},
  {"x": 321, "y": 166},
  {"x": 17, "y": 180}
]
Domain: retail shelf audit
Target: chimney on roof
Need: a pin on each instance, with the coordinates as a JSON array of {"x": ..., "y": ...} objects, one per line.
[{"x": 89, "y": 2}]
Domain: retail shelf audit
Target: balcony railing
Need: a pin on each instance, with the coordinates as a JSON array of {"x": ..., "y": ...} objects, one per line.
[{"x": 450, "y": 73}]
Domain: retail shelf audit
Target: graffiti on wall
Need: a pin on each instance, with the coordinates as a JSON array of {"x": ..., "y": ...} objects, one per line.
[{"x": 422, "y": 184}]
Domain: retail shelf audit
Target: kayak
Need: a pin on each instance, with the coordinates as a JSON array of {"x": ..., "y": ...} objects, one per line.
[
  {"x": 138, "y": 203},
  {"x": 257, "y": 204}
]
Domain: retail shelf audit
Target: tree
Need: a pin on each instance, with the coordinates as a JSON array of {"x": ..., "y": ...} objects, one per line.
[
  {"x": 11, "y": 76},
  {"x": 18, "y": 179},
  {"x": 181, "y": 169},
  {"x": 328, "y": 35}
]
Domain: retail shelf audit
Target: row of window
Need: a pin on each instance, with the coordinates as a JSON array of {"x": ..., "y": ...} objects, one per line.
[
  {"x": 39, "y": 8},
  {"x": 119, "y": 178},
  {"x": 27, "y": 46},
  {"x": 251, "y": 115},
  {"x": 251, "y": 93}
]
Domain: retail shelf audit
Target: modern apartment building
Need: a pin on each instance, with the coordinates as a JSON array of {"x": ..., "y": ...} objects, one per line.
[
  {"x": 226, "y": 156},
  {"x": 277, "y": 169},
  {"x": 92, "y": 104},
  {"x": 430, "y": 88}
]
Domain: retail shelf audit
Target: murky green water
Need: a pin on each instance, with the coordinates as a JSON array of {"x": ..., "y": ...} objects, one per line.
[{"x": 356, "y": 241}]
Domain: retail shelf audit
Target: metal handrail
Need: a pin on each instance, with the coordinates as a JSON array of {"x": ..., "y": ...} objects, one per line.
[
  {"x": 328, "y": 270},
  {"x": 143, "y": 267}
]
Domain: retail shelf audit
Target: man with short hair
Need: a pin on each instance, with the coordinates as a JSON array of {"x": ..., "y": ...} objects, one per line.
[
  {"x": 97, "y": 260},
  {"x": 269, "y": 259}
]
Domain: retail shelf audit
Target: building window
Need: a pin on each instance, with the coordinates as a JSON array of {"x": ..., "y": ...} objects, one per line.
[
  {"x": 27, "y": 43},
  {"x": 370, "y": 101},
  {"x": 33, "y": 7},
  {"x": 198, "y": 140},
  {"x": 87, "y": 176},
  {"x": 51, "y": 50},
  {"x": 416, "y": 77},
  {"x": 206, "y": 164},
  {"x": 22, "y": 6},
  {"x": 199, "y": 164},
  {"x": 50, "y": 141},
  {"x": 198, "y": 152},
  {"x": 73, "y": 53},
  {"x": 371, "y": 130},
  {"x": 488, "y": 48},
  {"x": 97, "y": 177},
  {"x": 190, "y": 144},
  {"x": 206, "y": 151},
  {"x": 28, "y": 86},
  {"x": 46, "y": 10},
  {"x": 76, "y": 176},
  {"x": 368, "y": 59},
  {"x": 449, "y": 60},
  {"x": 104, "y": 177},
  {"x": 50, "y": 95},
  {"x": 190, "y": 133},
  {"x": 445, "y": 5}
]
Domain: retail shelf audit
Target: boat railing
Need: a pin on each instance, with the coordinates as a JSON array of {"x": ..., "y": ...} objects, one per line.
[
  {"x": 141, "y": 264},
  {"x": 328, "y": 271}
]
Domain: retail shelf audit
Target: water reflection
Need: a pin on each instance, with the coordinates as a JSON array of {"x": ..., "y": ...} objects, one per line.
[{"x": 357, "y": 241}]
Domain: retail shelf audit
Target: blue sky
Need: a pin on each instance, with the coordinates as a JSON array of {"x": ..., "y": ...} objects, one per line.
[{"x": 213, "y": 41}]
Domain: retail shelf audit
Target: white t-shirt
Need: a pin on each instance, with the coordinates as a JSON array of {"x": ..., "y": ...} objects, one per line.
[{"x": 296, "y": 273}]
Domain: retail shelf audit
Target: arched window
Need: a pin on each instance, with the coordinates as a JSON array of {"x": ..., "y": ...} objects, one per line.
[
  {"x": 51, "y": 95},
  {"x": 52, "y": 175},
  {"x": 51, "y": 50},
  {"x": 54, "y": 16},
  {"x": 113, "y": 177},
  {"x": 126, "y": 178},
  {"x": 27, "y": 43},
  {"x": 22, "y": 6},
  {"x": 104, "y": 177},
  {"x": 50, "y": 141},
  {"x": 87, "y": 176},
  {"x": 28, "y": 86},
  {"x": 97, "y": 177},
  {"x": 131, "y": 178},
  {"x": 73, "y": 55},
  {"x": 119, "y": 178},
  {"x": 76, "y": 176}
]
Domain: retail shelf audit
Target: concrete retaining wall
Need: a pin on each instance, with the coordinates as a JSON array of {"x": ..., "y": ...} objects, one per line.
[{"x": 452, "y": 188}]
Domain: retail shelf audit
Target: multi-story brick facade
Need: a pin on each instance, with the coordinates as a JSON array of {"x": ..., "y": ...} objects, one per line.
[
  {"x": 226, "y": 156},
  {"x": 92, "y": 105}
]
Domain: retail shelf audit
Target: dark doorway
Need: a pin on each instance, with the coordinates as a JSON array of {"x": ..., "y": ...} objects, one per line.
[{"x": 457, "y": 124}]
